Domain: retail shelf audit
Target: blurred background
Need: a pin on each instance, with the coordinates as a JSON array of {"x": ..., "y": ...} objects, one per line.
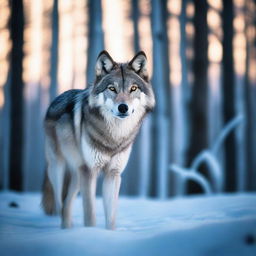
[{"x": 202, "y": 60}]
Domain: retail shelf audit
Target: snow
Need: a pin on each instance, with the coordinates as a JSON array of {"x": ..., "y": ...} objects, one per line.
[{"x": 198, "y": 225}]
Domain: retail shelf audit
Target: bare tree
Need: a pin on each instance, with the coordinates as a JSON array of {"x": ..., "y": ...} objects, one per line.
[
  {"x": 250, "y": 95},
  {"x": 16, "y": 95},
  {"x": 96, "y": 43},
  {"x": 54, "y": 51},
  {"x": 161, "y": 85},
  {"x": 135, "y": 17},
  {"x": 228, "y": 90},
  {"x": 198, "y": 137}
]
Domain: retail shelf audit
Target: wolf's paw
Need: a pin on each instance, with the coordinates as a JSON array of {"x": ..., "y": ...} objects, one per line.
[
  {"x": 90, "y": 222},
  {"x": 111, "y": 226},
  {"x": 66, "y": 224}
]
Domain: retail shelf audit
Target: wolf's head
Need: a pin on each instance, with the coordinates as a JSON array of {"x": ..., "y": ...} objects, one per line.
[{"x": 122, "y": 89}]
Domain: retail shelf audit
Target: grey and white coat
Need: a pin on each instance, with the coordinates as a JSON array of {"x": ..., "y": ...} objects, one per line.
[{"x": 92, "y": 130}]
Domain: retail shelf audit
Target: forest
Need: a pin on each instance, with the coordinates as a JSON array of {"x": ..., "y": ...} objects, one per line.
[
  {"x": 201, "y": 137},
  {"x": 190, "y": 184}
]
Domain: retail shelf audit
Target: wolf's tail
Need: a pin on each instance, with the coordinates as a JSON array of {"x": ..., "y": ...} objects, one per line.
[{"x": 48, "y": 200}]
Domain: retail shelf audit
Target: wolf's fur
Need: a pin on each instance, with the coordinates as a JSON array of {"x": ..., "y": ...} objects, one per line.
[{"x": 92, "y": 130}]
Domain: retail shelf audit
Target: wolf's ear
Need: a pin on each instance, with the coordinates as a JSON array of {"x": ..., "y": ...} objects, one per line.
[
  {"x": 104, "y": 64},
  {"x": 139, "y": 64}
]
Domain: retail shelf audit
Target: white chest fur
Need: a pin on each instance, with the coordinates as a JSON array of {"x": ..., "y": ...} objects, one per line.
[
  {"x": 121, "y": 128},
  {"x": 93, "y": 157}
]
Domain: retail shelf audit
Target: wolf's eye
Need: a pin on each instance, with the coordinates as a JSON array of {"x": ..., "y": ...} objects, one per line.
[
  {"x": 133, "y": 88},
  {"x": 112, "y": 88}
]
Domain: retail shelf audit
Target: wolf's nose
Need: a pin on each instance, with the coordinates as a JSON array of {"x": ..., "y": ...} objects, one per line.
[{"x": 123, "y": 108}]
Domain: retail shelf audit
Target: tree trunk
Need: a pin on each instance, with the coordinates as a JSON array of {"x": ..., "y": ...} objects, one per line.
[
  {"x": 250, "y": 96},
  {"x": 184, "y": 71},
  {"x": 4, "y": 103},
  {"x": 161, "y": 86},
  {"x": 54, "y": 51},
  {"x": 135, "y": 18},
  {"x": 198, "y": 137},
  {"x": 229, "y": 94},
  {"x": 198, "y": 104},
  {"x": 96, "y": 43},
  {"x": 180, "y": 105},
  {"x": 16, "y": 95}
]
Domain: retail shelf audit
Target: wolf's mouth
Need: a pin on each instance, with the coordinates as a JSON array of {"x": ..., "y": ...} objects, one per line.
[{"x": 122, "y": 115}]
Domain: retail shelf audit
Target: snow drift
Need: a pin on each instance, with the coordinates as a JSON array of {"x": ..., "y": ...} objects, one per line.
[{"x": 215, "y": 225}]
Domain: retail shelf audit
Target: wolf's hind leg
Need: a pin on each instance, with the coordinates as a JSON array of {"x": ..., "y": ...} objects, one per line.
[
  {"x": 56, "y": 170},
  {"x": 88, "y": 180},
  {"x": 73, "y": 188}
]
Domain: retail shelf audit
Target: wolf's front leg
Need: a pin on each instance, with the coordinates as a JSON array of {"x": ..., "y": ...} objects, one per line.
[
  {"x": 111, "y": 186},
  {"x": 88, "y": 188}
]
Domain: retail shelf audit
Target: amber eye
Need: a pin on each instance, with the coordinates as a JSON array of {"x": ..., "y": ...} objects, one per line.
[
  {"x": 112, "y": 88},
  {"x": 134, "y": 88}
]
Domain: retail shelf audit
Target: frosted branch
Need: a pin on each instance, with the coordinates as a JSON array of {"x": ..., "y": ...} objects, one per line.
[
  {"x": 225, "y": 132},
  {"x": 214, "y": 169},
  {"x": 209, "y": 157},
  {"x": 187, "y": 174}
]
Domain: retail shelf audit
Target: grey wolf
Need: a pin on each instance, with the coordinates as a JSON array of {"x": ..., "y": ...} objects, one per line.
[{"x": 93, "y": 130}]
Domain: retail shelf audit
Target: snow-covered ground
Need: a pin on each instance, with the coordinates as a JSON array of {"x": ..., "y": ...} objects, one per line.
[{"x": 217, "y": 225}]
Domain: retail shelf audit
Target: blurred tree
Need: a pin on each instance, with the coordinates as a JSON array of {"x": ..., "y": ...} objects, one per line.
[
  {"x": 228, "y": 89},
  {"x": 250, "y": 96},
  {"x": 135, "y": 19},
  {"x": 160, "y": 81},
  {"x": 16, "y": 95},
  {"x": 21, "y": 121},
  {"x": 96, "y": 42},
  {"x": 4, "y": 97},
  {"x": 183, "y": 47},
  {"x": 199, "y": 100},
  {"x": 183, "y": 113},
  {"x": 136, "y": 166},
  {"x": 54, "y": 51}
]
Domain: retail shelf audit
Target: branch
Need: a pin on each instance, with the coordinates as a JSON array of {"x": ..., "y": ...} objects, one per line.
[
  {"x": 215, "y": 172},
  {"x": 225, "y": 132},
  {"x": 192, "y": 175}
]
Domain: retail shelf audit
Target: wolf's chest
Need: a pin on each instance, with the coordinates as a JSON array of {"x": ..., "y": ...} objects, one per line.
[{"x": 93, "y": 157}]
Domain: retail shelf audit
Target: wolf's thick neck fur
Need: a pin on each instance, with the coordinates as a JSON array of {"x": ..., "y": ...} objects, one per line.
[{"x": 104, "y": 131}]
